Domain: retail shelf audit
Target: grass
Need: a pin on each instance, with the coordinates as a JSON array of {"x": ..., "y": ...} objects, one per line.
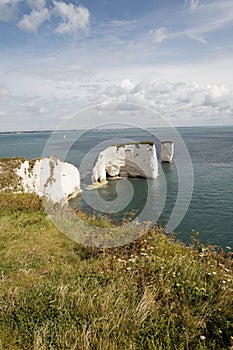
[
  {"x": 137, "y": 144},
  {"x": 150, "y": 294}
]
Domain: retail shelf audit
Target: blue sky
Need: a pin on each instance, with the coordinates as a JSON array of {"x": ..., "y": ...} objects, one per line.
[{"x": 58, "y": 57}]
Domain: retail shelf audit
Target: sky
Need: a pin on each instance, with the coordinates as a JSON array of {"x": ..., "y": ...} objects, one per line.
[{"x": 60, "y": 57}]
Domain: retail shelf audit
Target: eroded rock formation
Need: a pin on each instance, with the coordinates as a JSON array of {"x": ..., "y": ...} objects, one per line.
[
  {"x": 167, "y": 151},
  {"x": 47, "y": 177},
  {"x": 133, "y": 160}
]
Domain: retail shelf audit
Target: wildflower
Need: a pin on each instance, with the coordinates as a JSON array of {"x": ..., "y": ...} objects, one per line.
[
  {"x": 224, "y": 282},
  {"x": 202, "y": 337},
  {"x": 143, "y": 254},
  {"x": 219, "y": 331},
  {"x": 128, "y": 268},
  {"x": 152, "y": 248},
  {"x": 214, "y": 273}
]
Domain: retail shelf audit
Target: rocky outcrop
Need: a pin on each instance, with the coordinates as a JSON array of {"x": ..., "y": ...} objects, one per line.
[
  {"x": 127, "y": 160},
  {"x": 167, "y": 151},
  {"x": 47, "y": 177}
]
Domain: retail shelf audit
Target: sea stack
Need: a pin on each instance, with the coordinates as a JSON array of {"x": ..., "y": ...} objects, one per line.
[
  {"x": 136, "y": 159},
  {"x": 167, "y": 151}
]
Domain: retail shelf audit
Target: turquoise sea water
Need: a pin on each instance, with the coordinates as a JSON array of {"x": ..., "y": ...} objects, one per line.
[{"x": 211, "y": 151}]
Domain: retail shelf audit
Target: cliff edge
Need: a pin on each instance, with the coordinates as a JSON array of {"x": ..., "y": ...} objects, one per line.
[{"x": 47, "y": 177}]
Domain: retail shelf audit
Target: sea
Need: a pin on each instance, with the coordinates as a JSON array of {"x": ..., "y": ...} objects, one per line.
[{"x": 208, "y": 214}]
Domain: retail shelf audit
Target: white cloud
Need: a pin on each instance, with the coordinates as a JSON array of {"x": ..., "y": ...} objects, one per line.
[
  {"x": 8, "y": 10},
  {"x": 34, "y": 19},
  {"x": 197, "y": 21},
  {"x": 74, "y": 18},
  {"x": 211, "y": 17},
  {"x": 38, "y": 4},
  {"x": 192, "y": 4},
  {"x": 182, "y": 103},
  {"x": 9, "y": 2},
  {"x": 159, "y": 35}
]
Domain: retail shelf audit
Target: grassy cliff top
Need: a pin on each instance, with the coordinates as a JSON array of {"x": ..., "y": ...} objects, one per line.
[
  {"x": 151, "y": 294},
  {"x": 8, "y": 176},
  {"x": 135, "y": 143}
]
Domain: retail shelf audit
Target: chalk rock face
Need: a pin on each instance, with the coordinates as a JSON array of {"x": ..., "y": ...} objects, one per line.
[
  {"x": 167, "y": 151},
  {"x": 132, "y": 159},
  {"x": 48, "y": 177}
]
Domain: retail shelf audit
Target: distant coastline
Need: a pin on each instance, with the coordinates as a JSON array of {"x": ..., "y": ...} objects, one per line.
[{"x": 21, "y": 132}]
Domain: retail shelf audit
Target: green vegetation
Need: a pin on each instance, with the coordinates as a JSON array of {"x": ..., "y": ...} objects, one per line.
[
  {"x": 151, "y": 294},
  {"x": 9, "y": 179},
  {"x": 150, "y": 143}
]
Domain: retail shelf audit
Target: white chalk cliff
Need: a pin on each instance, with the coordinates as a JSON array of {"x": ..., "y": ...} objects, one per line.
[
  {"x": 132, "y": 160},
  {"x": 47, "y": 177},
  {"x": 167, "y": 151}
]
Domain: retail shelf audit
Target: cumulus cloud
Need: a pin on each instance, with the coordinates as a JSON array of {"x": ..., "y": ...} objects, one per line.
[
  {"x": 188, "y": 103},
  {"x": 34, "y": 19},
  {"x": 56, "y": 94},
  {"x": 159, "y": 35},
  {"x": 74, "y": 18},
  {"x": 71, "y": 18}
]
